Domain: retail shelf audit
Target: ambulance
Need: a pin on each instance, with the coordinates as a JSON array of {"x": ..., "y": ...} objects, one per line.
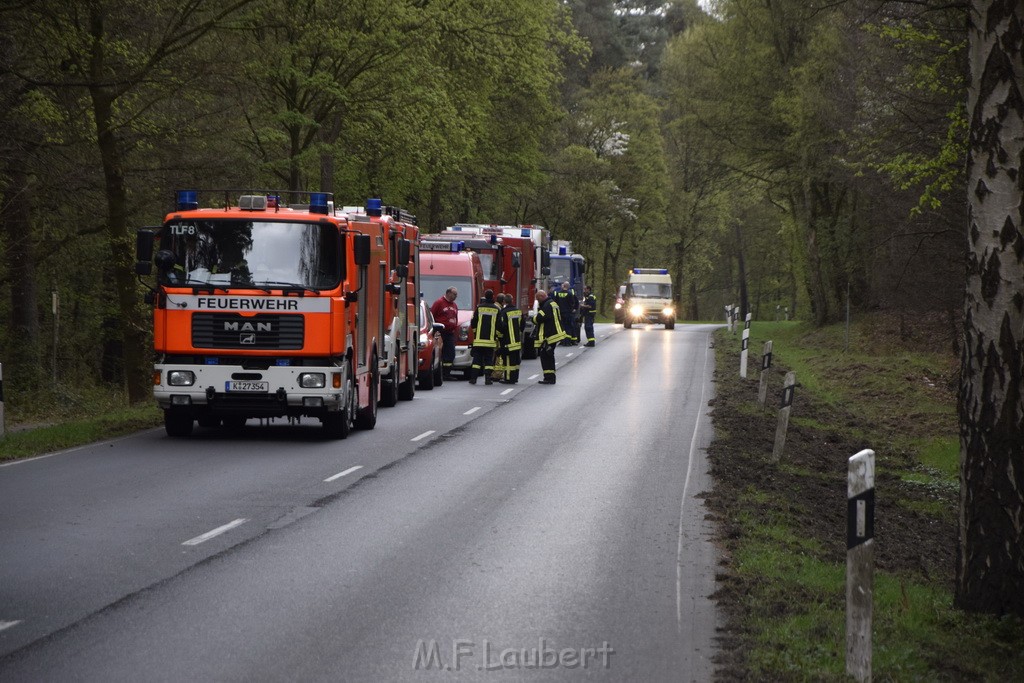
[{"x": 648, "y": 298}]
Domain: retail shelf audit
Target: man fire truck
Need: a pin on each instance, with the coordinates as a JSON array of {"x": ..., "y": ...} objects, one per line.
[{"x": 266, "y": 310}]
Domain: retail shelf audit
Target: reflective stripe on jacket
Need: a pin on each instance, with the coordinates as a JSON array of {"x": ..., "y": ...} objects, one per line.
[{"x": 549, "y": 324}]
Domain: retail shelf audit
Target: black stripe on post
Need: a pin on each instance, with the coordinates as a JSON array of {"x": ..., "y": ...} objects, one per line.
[
  {"x": 860, "y": 518},
  {"x": 746, "y": 343},
  {"x": 766, "y": 361},
  {"x": 787, "y": 396}
]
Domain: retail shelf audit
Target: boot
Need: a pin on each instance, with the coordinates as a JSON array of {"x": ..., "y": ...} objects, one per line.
[{"x": 472, "y": 375}]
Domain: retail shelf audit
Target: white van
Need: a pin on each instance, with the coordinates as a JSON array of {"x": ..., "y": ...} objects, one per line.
[{"x": 649, "y": 298}]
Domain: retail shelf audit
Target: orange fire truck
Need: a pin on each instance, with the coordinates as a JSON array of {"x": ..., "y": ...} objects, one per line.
[
  {"x": 268, "y": 310},
  {"x": 398, "y": 229}
]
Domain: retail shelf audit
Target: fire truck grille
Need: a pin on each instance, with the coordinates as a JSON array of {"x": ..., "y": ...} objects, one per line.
[{"x": 226, "y": 331}]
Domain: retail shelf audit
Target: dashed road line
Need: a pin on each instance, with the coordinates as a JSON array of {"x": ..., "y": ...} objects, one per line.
[
  {"x": 423, "y": 435},
  {"x": 213, "y": 533},
  {"x": 471, "y": 410},
  {"x": 4, "y": 625},
  {"x": 339, "y": 475}
]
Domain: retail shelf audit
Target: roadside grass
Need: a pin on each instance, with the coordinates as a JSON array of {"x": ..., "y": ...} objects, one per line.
[
  {"x": 69, "y": 416},
  {"x": 789, "y": 583}
]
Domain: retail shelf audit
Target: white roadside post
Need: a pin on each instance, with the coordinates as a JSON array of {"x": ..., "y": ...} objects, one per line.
[
  {"x": 1, "y": 399},
  {"x": 728, "y": 316},
  {"x": 766, "y": 364},
  {"x": 745, "y": 351},
  {"x": 860, "y": 563},
  {"x": 788, "y": 387}
]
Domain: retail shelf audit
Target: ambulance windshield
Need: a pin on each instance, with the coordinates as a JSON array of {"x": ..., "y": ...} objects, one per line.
[
  {"x": 233, "y": 253},
  {"x": 651, "y": 290}
]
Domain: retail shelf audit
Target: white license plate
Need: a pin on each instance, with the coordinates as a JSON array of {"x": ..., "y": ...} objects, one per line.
[{"x": 248, "y": 387}]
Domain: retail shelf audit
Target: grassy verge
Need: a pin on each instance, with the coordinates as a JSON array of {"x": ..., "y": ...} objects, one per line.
[
  {"x": 784, "y": 525},
  {"x": 70, "y": 417}
]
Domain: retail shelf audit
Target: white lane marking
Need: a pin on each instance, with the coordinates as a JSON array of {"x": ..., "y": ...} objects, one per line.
[
  {"x": 533, "y": 376},
  {"x": 423, "y": 435},
  {"x": 8, "y": 624},
  {"x": 213, "y": 533},
  {"x": 682, "y": 503},
  {"x": 568, "y": 354},
  {"x": 507, "y": 391},
  {"x": 472, "y": 410},
  {"x": 339, "y": 475}
]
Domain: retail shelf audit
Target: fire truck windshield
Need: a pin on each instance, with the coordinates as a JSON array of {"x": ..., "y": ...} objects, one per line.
[
  {"x": 560, "y": 271},
  {"x": 237, "y": 253},
  {"x": 433, "y": 286}
]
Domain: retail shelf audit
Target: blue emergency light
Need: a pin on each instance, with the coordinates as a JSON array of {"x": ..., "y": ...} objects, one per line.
[
  {"x": 281, "y": 362},
  {"x": 373, "y": 206},
  {"x": 525, "y": 232},
  {"x": 318, "y": 202},
  {"x": 562, "y": 251},
  {"x": 187, "y": 200},
  {"x": 212, "y": 360}
]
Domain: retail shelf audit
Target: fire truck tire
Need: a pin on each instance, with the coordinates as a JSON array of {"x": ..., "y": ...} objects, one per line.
[
  {"x": 339, "y": 425},
  {"x": 208, "y": 421},
  {"x": 389, "y": 388},
  {"x": 177, "y": 423},
  {"x": 234, "y": 423},
  {"x": 426, "y": 380},
  {"x": 366, "y": 418},
  {"x": 407, "y": 389}
]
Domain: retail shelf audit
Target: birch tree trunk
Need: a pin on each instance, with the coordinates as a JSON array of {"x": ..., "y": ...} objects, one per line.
[{"x": 990, "y": 548}]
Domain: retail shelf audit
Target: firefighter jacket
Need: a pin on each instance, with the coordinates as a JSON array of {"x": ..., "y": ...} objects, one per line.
[
  {"x": 589, "y": 306},
  {"x": 510, "y": 328},
  {"x": 549, "y": 324},
  {"x": 485, "y": 324},
  {"x": 447, "y": 313},
  {"x": 566, "y": 300}
]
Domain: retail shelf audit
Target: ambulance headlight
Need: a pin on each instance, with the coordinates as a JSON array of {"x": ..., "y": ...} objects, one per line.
[
  {"x": 617, "y": 305},
  {"x": 312, "y": 380},
  {"x": 181, "y": 378},
  {"x": 636, "y": 311},
  {"x": 668, "y": 311}
]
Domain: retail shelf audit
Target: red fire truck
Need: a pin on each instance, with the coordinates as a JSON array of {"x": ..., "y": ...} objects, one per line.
[
  {"x": 267, "y": 310},
  {"x": 398, "y": 229}
]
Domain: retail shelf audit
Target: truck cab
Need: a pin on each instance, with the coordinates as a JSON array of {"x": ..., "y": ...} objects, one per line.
[{"x": 445, "y": 264}]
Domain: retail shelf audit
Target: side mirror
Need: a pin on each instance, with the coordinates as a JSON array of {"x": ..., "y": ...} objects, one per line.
[
  {"x": 404, "y": 247},
  {"x": 145, "y": 238},
  {"x": 438, "y": 327},
  {"x": 361, "y": 250},
  {"x": 515, "y": 259},
  {"x": 351, "y": 297},
  {"x": 545, "y": 262},
  {"x": 402, "y": 271}
]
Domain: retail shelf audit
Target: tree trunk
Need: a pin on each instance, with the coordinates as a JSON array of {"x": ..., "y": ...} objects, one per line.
[
  {"x": 990, "y": 548},
  {"x": 130, "y": 324},
  {"x": 741, "y": 274}
]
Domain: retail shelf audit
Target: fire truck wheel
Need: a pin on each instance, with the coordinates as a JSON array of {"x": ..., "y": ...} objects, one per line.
[
  {"x": 177, "y": 423},
  {"x": 339, "y": 425},
  {"x": 367, "y": 417},
  {"x": 389, "y": 388},
  {"x": 208, "y": 421},
  {"x": 426, "y": 380},
  {"x": 407, "y": 389},
  {"x": 234, "y": 423}
]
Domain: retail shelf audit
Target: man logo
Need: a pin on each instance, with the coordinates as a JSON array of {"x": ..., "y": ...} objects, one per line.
[
  {"x": 248, "y": 339},
  {"x": 248, "y": 327}
]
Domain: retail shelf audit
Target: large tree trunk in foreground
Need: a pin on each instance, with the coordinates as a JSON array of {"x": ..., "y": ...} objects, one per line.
[{"x": 990, "y": 548}]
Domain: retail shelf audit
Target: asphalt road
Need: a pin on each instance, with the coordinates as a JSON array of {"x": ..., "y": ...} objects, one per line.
[{"x": 478, "y": 533}]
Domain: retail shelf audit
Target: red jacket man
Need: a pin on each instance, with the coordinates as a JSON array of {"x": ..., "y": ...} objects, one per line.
[{"x": 446, "y": 312}]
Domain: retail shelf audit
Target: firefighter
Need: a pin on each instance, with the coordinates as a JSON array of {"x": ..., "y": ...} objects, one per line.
[
  {"x": 567, "y": 305},
  {"x": 485, "y": 327},
  {"x": 510, "y": 326},
  {"x": 549, "y": 333},
  {"x": 500, "y": 352},
  {"x": 587, "y": 310},
  {"x": 446, "y": 312}
]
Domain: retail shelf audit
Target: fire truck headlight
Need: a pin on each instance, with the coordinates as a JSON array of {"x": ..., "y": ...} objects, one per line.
[
  {"x": 636, "y": 311},
  {"x": 181, "y": 378},
  {"x": 312, "y": 380},
  {"x": 668, "y": 311}
]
